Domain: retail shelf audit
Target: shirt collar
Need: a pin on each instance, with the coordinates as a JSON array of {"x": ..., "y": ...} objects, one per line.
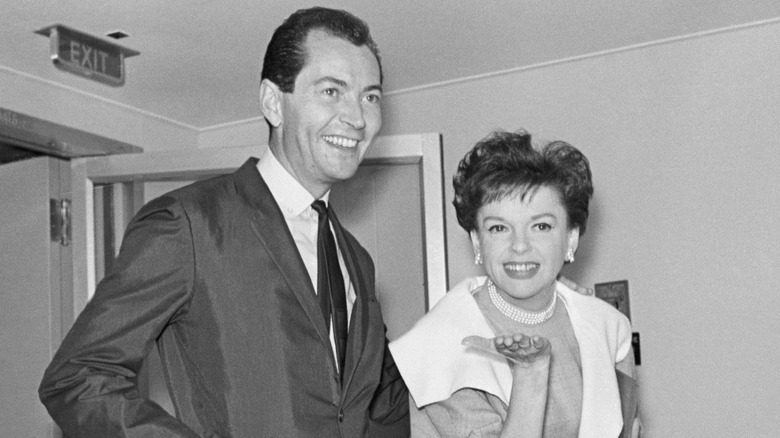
[{"x": 292, "y": 198}]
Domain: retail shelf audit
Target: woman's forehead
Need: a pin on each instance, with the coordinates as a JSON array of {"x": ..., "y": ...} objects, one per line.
[{"x": 523, "y": 194}]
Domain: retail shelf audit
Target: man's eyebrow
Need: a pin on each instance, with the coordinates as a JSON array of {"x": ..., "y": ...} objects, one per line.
[
  {"x": 332, "y": 80},
  {"x": 373, "y": 88},
  {"x": 343, "y": 83}
]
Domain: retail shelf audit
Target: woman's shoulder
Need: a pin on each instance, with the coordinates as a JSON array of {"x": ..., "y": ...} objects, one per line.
[
  {"x": 458, "y": 295},
  {"x": 455, "y": 314},
  {"x": 468, "y": 284},
  {"x": 594, "y": 307},
  {"x": 594, "y": 316}
]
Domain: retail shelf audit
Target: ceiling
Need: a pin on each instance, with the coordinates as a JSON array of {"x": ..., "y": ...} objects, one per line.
[{"x": 199, "y": 60}]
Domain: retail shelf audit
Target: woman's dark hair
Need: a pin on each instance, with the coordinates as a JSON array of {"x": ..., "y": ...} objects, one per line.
[
  {"x": 507, "y": 164},
  {"x": 285, "y": 55}
]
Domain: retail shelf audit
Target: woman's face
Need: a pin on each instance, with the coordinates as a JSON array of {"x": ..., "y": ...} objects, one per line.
[{"x": 523, "y": 244}]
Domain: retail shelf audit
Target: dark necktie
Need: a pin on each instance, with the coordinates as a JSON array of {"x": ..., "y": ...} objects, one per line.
[{"x": 330, "y": 283}]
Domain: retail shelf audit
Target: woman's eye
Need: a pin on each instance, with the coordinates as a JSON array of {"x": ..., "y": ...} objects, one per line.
[
  {"x": 543, "y": 227},
  {"x": 497, "y": 229}
]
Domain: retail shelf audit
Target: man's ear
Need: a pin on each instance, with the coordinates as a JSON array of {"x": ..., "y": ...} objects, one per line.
[{"x": 271, "y": 102}]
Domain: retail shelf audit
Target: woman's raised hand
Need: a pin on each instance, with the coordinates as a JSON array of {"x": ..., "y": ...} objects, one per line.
[{"x": 522, "y": 350}]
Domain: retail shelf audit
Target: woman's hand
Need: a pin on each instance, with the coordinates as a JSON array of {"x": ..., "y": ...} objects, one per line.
[
  {"x": 520, "y": 349},
  {"x": 523, "y": 350},
  {"x": 530, "y": 358}
]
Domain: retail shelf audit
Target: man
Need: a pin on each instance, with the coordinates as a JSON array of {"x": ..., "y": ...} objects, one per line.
[{"x": 226, "y": 276}]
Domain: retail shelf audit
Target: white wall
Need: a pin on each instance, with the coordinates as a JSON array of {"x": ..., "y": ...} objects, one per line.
[
  {"x": 89, "y": 113},
  {"x": 683, "y": 139},
  {"x": 244, "y": 133},
  {"x": 86, "y": 112}
]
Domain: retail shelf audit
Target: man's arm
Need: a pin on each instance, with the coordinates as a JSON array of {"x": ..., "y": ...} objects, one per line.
[
  {"x": 389, "y": 410},
  {"x": 576, "y": 287},
  {"x": 90, "y": 387}
]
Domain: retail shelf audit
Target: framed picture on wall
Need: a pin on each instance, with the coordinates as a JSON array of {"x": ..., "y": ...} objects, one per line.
[{"x": 615, "y": 293}]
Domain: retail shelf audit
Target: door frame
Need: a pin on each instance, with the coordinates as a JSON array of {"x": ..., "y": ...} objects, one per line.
[{"x": 122, "y": 172}]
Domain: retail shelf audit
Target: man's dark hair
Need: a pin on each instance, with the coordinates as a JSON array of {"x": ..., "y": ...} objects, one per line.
[{"x": 285, "y": 55}]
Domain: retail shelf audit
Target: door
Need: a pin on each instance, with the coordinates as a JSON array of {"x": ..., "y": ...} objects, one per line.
[
  {"x": 381, "y": 206},
  {"x": 33, "y": 279},
  {"x": 394, "y": 206}
]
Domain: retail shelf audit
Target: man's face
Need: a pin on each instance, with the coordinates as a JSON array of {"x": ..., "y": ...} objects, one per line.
[{"x": 332, "y": 116}]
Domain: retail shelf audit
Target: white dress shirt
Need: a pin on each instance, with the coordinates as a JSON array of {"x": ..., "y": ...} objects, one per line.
[{"x": 303, "y": 221}]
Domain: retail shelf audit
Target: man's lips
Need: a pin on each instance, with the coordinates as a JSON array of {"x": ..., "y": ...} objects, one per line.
[{"x": 342, "y": 142}]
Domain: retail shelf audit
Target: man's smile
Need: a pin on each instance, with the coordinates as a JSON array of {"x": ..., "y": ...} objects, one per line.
[{"x": 342, "y": 142}]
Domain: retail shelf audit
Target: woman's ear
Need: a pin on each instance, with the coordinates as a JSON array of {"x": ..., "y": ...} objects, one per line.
[
  {"x": 476, "y": 247},
  {"x": 574, "y": 239},
  {"x": 271, "y": 102},
  {"x": 474, "y": 240}
]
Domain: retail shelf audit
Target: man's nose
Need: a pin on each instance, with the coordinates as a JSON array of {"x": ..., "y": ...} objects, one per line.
[{"x": 352, "y": 113}]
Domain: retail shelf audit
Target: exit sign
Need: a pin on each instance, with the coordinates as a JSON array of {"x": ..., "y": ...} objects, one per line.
[{"x": 86, "y": 55}]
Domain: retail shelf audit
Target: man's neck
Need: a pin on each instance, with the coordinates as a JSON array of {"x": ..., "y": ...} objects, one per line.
[{"x": 316, "y": 190}]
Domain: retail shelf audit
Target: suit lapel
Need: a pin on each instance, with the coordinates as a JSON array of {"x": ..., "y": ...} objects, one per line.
[
  {"x": 271, "y": 229},
  {"x": 359, "y": 322}
]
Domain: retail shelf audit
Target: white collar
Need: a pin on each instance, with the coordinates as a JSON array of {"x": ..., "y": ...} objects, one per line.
[{"x": 292, "y": 198}]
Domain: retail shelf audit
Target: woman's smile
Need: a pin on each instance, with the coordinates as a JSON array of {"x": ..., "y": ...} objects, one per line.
[{"x": 521, "y": 270}]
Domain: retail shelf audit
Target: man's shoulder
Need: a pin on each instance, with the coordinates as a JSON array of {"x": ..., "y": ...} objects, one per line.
[
  {"x": 216, "y": 187},
  {"x": 206, "y": 197},
  {"x": 197, "y": 192}
]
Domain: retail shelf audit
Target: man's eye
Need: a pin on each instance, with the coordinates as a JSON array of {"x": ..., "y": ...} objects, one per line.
[
  {"x": 373, "y": 98},
  {"x": 331, "y": 91}
]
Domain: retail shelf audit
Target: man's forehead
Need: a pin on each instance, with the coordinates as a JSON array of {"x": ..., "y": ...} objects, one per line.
[{"x": 331, "y": 59}]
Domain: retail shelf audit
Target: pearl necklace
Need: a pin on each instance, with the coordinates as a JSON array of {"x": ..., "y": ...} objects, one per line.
[{"x": 520, "y": 315}]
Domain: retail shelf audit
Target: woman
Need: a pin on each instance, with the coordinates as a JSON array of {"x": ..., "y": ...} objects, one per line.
[{"x": 518, "y": 353}]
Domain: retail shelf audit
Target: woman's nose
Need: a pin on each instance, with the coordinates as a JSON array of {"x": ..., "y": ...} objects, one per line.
[{"x": 520, "y": 242}]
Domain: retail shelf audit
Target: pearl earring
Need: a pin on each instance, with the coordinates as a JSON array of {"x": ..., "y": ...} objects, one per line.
[
  {"x": 478, "y": 259},
  {"x": 570, "y": 256}
]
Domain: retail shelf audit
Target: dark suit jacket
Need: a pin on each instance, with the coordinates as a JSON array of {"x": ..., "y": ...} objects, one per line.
[{"x": 211, "y": 274}]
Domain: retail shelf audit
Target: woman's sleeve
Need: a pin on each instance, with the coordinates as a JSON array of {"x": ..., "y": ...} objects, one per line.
[
  {"x": 629, "y": 396},
  {"x": 467, "y": 413},
  {"x": 627, "y": 365}
]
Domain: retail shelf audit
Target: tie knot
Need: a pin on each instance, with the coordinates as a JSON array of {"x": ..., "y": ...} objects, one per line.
[{"x": 320, "y": 207}]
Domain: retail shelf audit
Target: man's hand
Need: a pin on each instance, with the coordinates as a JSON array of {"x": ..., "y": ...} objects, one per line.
[{"x": 576, "y": 287}]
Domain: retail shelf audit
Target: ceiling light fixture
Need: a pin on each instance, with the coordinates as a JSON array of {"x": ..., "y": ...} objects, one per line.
[{"x": 118, "y": 34}]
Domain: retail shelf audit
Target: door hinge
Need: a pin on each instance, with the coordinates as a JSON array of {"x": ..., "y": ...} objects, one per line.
[{"x": 60, "y": 221}]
